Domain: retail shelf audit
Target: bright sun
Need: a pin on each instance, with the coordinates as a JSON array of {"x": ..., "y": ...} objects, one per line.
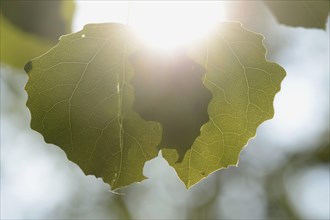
[
  {"x": 167, "y": 25},
  {"x": 162, "y": 24}
]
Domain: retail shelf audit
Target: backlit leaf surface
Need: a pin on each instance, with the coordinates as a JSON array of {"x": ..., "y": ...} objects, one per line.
[
  {"x": 243, "y": 84},
  {"x": 80, "y": 100}
]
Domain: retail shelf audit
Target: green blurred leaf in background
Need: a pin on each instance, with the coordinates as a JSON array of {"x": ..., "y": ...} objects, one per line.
[
  {"x": 309, "y": 14},
  {"x": 30, "y": 28},
  {"x": 168, "y": 89}
]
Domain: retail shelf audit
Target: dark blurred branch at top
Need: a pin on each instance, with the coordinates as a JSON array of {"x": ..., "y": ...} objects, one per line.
[{"x": 47, "y": 19}]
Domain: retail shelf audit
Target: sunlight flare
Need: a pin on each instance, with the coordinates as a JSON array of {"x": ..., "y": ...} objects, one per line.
[
  {"x": 163, "y": 25},
  {"x": 169, "y": 25}
]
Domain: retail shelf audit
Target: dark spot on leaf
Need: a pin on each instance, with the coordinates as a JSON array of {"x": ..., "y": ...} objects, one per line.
[
  {"x": 28, "y": 67},
  {"x": 169, "y": 89}
]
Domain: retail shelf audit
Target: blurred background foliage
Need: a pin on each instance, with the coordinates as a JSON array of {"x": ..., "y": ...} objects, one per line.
[
  {"x": 311, "y": 14},
  {"x": 30, "y": 28},
  {"x": 283, "y": 173}
]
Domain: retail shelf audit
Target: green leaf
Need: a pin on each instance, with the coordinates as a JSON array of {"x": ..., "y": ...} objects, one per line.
[
  {"x": 310, "y": 14},
  {"x": 81, "y": 100},
  {"x": 243, "y": 84},
  {"x": 30, "y": 28},
  {"x": 18, "y": 47}
]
